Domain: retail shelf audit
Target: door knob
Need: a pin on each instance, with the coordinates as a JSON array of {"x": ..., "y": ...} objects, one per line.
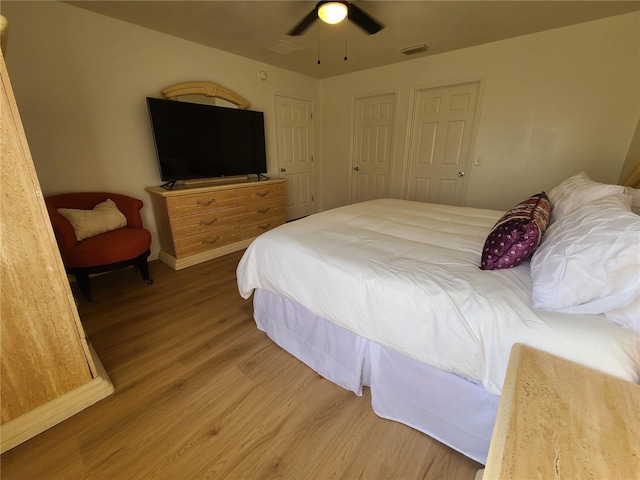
[
  {"x": 282, "y": 169},
  {"x": 461, "y": 174},
  {"x": 357, "y": 169}
]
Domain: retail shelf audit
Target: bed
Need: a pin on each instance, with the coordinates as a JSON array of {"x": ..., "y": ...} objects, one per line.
[{"x": 388, "y": 294}]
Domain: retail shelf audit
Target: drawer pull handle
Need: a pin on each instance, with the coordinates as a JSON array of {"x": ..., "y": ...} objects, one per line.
[
  {"x": 205, "y": 204},
  {"x": 262, "y": 194},
  {"x": 210, "y": 222},
  {"x": 265, "y": 227},
  {"x": 210, "y": 242},
  {"x": 264, "y": 210}
]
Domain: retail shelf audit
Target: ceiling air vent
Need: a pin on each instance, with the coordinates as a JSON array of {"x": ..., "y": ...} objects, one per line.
[
  {"x": 282, "y": 47},
  {"x": 420, "y": 48}
]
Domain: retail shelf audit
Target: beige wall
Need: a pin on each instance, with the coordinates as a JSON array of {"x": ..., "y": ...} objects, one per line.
[
  {"x": 553, "y": 104},
  {"x": 81, "y": 80}
]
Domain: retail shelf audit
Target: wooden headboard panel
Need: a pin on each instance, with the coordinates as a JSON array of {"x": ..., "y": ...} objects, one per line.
[
  {"x": 633, "y": 179},
  {"x": 630, "y": 174}
]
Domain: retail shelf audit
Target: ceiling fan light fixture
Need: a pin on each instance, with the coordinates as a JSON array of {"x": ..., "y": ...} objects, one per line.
[{"x": 332, "y": 12}]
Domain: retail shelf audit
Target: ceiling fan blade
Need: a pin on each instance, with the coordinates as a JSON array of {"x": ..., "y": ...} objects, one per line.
[
  {"x": 364, "y": 20},
  {"x": 305, "y": 23}
]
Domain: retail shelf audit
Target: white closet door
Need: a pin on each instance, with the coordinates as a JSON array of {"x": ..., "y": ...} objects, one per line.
[
  {"x": 372, "y": 147},
  {"x": 442, "y": 130},
  {"x": 294, "y": 126}
]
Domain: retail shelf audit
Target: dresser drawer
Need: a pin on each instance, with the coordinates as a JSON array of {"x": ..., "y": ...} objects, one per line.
[
  {"x": 209, "y": 240},
  {"x": 181, "y": 205},
  {"x": 203, "y": 222},
  {"x": 259, "y": 211},
  {"x": 260, "y": 193},
  {"x": 255, "y": 228}
]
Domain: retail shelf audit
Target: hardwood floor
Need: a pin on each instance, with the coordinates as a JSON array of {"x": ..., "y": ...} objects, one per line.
[{"x": 202, "y": 394}]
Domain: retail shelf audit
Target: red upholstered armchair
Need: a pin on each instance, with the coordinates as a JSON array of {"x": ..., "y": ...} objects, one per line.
[{"x": 104, "y": 252}]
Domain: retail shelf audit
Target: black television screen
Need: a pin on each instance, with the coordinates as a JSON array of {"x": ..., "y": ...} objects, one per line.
[{"x": 201, "y": 141}]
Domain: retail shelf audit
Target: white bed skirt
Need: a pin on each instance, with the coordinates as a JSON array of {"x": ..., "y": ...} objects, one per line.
[{"x": 449, "y": 408}]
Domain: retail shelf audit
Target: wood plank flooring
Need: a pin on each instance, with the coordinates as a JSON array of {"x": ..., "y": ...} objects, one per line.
[{"x": 202, "y": 394}]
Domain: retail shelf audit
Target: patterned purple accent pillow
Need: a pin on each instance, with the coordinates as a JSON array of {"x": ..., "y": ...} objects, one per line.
[{"x": 516, "y": 235}]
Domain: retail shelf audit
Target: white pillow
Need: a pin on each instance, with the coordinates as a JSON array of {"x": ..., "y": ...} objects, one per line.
[
  {"x": 576, "y": 191},
  {"x": 88, "y": 223},
  {"x": 634, "y": 193},
  {"x": 589, "y": 260},
  {"x": 628, "y": 317}
]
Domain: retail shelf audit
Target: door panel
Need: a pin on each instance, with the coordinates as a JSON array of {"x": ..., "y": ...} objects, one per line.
[
  {"x": 442, "y": 130},
  {"x": 294, "y": 126},
  {"x": 372, "y": 140}
]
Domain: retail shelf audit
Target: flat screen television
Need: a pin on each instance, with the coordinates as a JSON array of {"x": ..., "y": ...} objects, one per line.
[{"x": 202, "y": 141}]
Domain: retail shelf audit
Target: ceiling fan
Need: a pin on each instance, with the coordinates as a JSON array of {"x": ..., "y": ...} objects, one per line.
[{"x": 334, "y": 12}]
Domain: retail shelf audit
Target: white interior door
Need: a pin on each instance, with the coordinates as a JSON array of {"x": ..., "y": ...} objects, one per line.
[
  {"x": 442, "y": 131},
  {"x": 294, "y": 126},
  {"x": 372, "y": 147}
]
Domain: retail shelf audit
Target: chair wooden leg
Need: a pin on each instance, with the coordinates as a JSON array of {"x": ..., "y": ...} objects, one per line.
[
  {"x": 143, "y": 265},
  {"x": 83, "y": 282}
]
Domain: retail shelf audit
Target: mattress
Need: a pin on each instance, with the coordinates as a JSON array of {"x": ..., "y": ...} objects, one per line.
[{"x": 406, "y": 276}]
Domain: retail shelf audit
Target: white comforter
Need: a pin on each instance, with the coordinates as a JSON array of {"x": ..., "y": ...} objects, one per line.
[{"x": 405, "y": 275}]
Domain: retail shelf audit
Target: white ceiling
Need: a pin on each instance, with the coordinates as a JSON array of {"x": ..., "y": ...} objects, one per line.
[{"x": 247, "y": 27}]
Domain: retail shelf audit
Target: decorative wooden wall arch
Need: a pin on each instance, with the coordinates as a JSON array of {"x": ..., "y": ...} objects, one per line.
[{"x": 208, "y": 89}]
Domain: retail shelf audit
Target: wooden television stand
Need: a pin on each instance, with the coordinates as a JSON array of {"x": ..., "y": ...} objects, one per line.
[{"x": 199, "y": 223}]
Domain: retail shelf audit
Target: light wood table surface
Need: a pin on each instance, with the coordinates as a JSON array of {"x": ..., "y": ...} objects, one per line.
[{"x": 561, "y": 420}]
